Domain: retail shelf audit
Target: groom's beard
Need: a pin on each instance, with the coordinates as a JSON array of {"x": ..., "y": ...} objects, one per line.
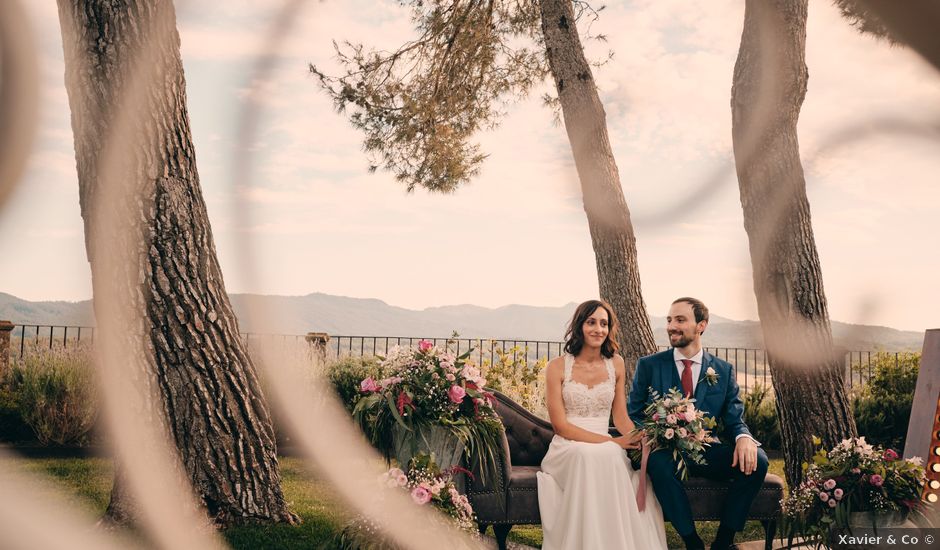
[{"x": 682, "y": 342}]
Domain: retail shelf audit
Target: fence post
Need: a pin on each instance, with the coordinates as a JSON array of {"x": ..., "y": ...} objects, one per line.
[
  {"x": 317, "y": 342},
  {"x": 6, "y": 327}
]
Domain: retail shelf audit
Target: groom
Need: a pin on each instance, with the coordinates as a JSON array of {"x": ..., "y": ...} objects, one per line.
[{"x": 684, "y": 367}]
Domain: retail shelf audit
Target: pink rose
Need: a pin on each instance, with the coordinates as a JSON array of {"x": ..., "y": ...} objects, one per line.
[
  {"x": 669, "y": 433},
  {"x": 425, "y": 345},
  {"x": 838, "y": 494},
  {"x": 682, "y": 432},
  {"x": 856, "y": 471},
  {"x": 670, "y": 418},
  {"x": 829, "y": 484},
  {"x": 396, "y": 478},
  {"x": 421, "y": 494},
  {"x": 368, "y": 385},
  {"x": 876, "y": 480},
  {"x": 456, "y": 393},
  {"x": 450, "y": 377},
  {"x": 890, "y": 455},
  {"x": 655, "y": 416},
  {"x": 689, "y": 416},
  {"x": 833, "y": 503},
  {"x": 389, "y": 382},
  {"x": 823, "y": 496}
]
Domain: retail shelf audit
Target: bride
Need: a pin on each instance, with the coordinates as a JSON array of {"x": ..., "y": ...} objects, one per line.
[{"x": 587, "y": 488}]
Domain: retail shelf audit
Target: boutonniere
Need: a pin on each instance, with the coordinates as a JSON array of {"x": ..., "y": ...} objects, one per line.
[{"x": 711, "y": 376}]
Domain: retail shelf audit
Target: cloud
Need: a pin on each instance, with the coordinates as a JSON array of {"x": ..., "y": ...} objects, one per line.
[{"x": 518, "y": 232}]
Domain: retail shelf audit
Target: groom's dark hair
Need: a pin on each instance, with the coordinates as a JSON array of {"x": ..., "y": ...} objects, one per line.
[
  {"x": 574, "y": 335},
  {"x": 698, "y": 308}
]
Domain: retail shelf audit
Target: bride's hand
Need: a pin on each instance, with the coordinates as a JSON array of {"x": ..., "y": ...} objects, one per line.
[
  {"x": 627, "y": 442},
  {"x": 636, "y": 436}
]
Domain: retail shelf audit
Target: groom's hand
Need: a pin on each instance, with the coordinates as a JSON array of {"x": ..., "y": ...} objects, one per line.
[{"x": 745, "y": 455}]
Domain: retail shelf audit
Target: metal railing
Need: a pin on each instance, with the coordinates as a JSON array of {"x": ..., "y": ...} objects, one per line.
[
  {"x": 750, "y": 364},
  {"x": 25, "y": 338}
]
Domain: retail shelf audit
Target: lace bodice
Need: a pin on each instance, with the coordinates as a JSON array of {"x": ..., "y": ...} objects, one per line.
[{"x": 583, "y": 401}]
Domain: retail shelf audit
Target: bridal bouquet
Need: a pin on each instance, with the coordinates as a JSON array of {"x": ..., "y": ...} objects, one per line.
[{"x": 674, "y": 424}]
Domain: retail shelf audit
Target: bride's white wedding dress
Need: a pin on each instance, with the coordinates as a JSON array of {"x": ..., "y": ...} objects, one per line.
[{"x": 587, "y": 491}]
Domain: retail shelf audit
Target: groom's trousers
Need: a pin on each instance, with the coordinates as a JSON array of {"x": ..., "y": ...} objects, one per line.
[{"x": 675, "y": 502}]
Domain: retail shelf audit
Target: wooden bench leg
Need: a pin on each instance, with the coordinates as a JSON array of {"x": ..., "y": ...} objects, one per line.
[
  {"x": 501, "y": 532},
  {"x": 770, "y": 531}
]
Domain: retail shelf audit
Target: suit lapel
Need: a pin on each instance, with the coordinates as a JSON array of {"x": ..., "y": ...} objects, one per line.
[
  {"x": 700, "y": 384},
  {"x": 671, "y": 378}
]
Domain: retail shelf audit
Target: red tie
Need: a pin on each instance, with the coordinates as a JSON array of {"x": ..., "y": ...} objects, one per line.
[{"x": 687, "y": 377}]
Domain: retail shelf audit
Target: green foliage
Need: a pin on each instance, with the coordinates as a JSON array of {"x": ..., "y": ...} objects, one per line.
[
  {"x": 509, "y": 372},
  {"x": 346, "y": 373},
  {"x": 56, "y": 394},
  {"x": 420, "y": 104},
  {"x": 882, "y": 407},
  {"x": 12, "y": 426},
  {"x": 760, "y": 415},
  {"x": 864, "y": 19}
]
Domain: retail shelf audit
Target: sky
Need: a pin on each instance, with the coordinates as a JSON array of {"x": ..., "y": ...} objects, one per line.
[{"x": 307, "y": 216}]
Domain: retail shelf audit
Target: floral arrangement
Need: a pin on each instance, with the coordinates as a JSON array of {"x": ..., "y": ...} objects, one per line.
[
  {"x": 429, "y": 386},
  {"x": 674, "y": 424},
  {"x": 428, "y": 485},
  {"x": 852, "y": 477}
]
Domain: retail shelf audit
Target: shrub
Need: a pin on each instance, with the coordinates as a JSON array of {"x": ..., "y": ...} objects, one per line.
[
  {"x": 12, "y": 427},
  {"x": 55, "y": 394},
  {"x": 882, "y": 407},
  {"x": 760, "y": 415},
  {"x": 346, "y": 373},
  {"x": 509, "y": 372}
]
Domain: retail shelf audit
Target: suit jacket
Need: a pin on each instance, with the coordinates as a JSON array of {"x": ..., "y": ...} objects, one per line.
[{"x": 721, "y": 400}]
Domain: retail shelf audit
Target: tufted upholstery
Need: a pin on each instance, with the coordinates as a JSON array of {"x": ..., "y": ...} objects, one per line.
[
  {"x": 511, "y": 497},
  {"x": 528, "y": 435}
]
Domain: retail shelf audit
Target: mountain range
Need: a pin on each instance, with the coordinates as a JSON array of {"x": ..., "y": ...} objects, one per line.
[{"x": 340, "y": 315}]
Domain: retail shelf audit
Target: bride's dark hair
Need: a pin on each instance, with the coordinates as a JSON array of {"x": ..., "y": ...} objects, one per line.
[{"x": 574, "y": 335}]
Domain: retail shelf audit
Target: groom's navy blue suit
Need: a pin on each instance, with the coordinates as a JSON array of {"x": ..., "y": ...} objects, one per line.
[{"x": 720, "y": 400}]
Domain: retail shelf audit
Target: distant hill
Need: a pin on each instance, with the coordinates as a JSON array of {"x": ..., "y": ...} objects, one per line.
[{"x": 340, "y": 315}]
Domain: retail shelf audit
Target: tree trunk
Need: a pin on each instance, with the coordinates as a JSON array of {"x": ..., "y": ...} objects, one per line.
[
  {"x": 770, "y": 78},
  {"x": 122, "y": 60},
  {"x": 608, "y": 216}
]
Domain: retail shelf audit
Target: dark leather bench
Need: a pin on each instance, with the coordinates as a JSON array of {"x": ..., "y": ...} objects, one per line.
[{"x": 510, "y": 496}]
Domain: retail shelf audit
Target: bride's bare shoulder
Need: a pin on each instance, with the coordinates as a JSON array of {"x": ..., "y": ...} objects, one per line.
[{"x": 556, "y": 367}]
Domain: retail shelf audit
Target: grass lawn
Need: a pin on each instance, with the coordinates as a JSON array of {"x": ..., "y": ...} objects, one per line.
[{"x": 88, "y": 481}]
